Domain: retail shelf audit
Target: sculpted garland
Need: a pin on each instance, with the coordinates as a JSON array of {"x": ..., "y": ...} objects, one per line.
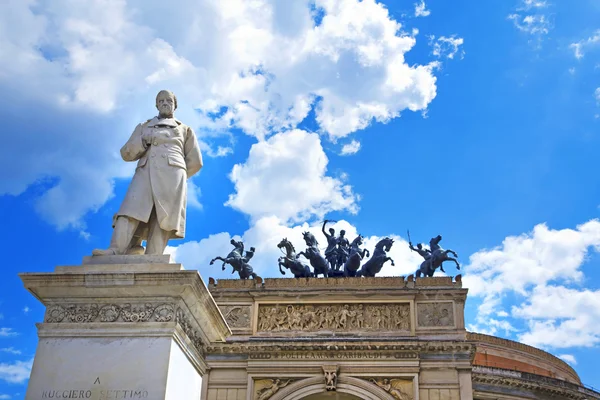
[{"x": 133, "y": 313}]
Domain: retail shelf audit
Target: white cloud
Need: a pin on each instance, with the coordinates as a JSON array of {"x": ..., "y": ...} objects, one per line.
[
  {"x": 7, "y": 332},
  {"x": 267, "y": 232},
  {"x": 525, "y": 266},
  {"x": 26, "y": 309},
  {"x": 579, "y": 48},
  {"x": 447, "y": 46},
  {"x": 532, "y": 17},
  {"x": 527, "y": 5},
  {"x": 597, "y": 95},
  {"x": 531, "y": 24},
  {"x": 258, "y": 66},
  {"x": 350, "y": 148},
  {"x": 15, "y": 372},
  {"x": 10, "y": 350},
  {"x": 420, "y": 9},
  {"x": 4, "y": 396},
  {"x": 560, "y": 317},
  {"x": 285, "y": 176},
  {"x": 568, "y": 358}
]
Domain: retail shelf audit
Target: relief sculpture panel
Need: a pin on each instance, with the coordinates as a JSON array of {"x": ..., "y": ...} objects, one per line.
[
  {"x": 334, "y": 317},
  {"x": 400, "y": 389},
  {"x": 237, "y": 316},
  {"x": 440, "y": 314}
]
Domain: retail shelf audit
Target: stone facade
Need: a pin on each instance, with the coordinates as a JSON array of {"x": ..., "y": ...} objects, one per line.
[
  {"x": 369, "y": 338},
  {"x": 172, "y": 337}
]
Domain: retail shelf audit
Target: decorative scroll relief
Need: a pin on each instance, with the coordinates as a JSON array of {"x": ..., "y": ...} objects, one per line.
[
  {"x": 334, "y": 317},
  {"x": 146, "y": 312},
  {"x": 265, "y": 388},
  {"x": 400, "y": 389},
  {"x": 237, "y": 316},
  {"x": 435, "y": 314}
]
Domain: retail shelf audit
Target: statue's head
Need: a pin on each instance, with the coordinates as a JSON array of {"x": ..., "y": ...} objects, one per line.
[
  {"x": 419, "y": 246},
  {"x": 331, "y": 230},
  {"x": 166, "y": 103},
  {"x": 342, "y": 232}
]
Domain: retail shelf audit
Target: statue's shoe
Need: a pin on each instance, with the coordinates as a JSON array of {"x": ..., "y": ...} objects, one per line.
[
  {"x": 104, "y": 252},
  {"x": 136, "y": 250}
]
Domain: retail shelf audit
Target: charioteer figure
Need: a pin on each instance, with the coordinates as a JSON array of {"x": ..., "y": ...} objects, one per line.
[
  {"x": 331, "y": 250},
  {"x": 343, "y": 250}
]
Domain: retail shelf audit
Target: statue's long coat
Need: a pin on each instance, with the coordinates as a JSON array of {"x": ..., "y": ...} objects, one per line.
[{"x": 160, "y": 179}]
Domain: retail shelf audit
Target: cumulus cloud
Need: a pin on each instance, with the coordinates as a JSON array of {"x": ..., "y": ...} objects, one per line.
[
  {"x": 420, "y": 9},
  {"x": 260, "y": 66},
  {"x": 543, "y": 267},
  {"x": 16, "y": 371},
  {"x": 284, "y": 176},
  {"x": 579, "y": 48},
  {"x": 267, "y": 232},
  {"x": 447, "y": 47},
  {"x": 350, "y": 148}
]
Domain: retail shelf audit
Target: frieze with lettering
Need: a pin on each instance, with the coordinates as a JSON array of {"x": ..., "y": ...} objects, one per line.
[
  {"x": 333, "y": 355},
  {"x": 334, "y": 317}
]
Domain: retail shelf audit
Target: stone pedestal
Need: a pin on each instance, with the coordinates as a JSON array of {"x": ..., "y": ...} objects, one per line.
[{"x": 122, "y": 327}]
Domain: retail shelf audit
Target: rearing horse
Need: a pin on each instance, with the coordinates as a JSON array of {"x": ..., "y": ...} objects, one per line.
[
  {"x": 290, "y": 261},
  {"x": 374, "y": 265},
  {"x": 438, "y": 256},
  {"x": 356, "y": 255},
  {"x": 237, "y": 261},
  {"x": 318, "y": 262}
]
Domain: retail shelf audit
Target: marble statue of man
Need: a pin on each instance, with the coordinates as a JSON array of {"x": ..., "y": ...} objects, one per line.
[{"x": 167, "y": 154}]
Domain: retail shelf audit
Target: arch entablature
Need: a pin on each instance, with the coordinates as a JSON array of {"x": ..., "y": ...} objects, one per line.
[{"x": 345, "y": 384}]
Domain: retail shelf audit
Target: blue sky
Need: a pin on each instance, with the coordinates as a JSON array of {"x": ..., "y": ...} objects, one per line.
[{"x": 478, "y": 121}]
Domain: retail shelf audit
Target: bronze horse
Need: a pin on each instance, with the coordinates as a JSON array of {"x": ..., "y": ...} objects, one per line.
[
  {"x": 374, "y": 265},
  {"x": 238, "y": 262},
  {"x": 291, "y": 262},
  {"x": 356, "y": 255},
  {"x": 318, "y": 262},
  {"x": 438, "y": 256}
]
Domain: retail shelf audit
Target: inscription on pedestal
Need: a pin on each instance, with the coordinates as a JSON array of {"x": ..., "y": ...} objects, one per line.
[{"x": 95, "y": 393}]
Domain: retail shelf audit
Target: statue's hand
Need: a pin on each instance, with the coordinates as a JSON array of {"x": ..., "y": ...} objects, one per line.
[{"x": 147, "y": 138}]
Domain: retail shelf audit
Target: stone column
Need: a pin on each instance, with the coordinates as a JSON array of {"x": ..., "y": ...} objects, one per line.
[{"x": 122, "y": 327}]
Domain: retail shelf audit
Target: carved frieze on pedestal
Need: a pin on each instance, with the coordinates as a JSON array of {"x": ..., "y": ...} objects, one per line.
[
  {"x": 334, "y": 317},
  {"x": 435, "y": 314}
]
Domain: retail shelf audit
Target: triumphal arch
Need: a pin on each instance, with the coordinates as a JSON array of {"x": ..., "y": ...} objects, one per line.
[{"x": 341, "y": 338}]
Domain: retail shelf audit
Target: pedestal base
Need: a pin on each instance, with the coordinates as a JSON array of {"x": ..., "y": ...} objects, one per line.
[{"x": 124, "y": 330}]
